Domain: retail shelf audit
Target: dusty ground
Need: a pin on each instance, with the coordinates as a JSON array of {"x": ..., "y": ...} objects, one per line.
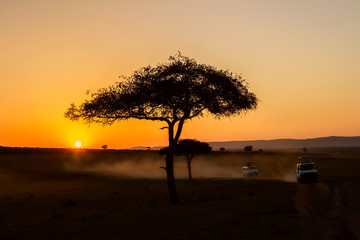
[
  {"x": 41, "y": 199},
  {"x": 330, "y": 208}
]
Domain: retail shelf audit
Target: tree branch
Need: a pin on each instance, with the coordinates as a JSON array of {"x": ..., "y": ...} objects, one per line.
[
  {"x": 197, "y": 113},
  {"x": 179, "y": 129}
]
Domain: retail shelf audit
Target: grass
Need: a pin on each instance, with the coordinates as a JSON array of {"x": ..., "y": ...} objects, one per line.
[{"x": 123, "y": 195}]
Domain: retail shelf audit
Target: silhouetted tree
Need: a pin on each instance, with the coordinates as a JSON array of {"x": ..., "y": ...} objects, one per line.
[
  {"x": 173, "y": 93},
  {"x": 190, "y": 148},
  {"x": 104, "y": 147},
  {"x": 222, "y": 149},
  {"x": 248, "y": 148}
]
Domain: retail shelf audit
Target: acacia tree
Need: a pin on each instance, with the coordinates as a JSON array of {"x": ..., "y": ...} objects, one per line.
[
  {"x": 248, "y": 148},
  {"x": 190, "y": 148},
  {"x": 173, "y": 93}
]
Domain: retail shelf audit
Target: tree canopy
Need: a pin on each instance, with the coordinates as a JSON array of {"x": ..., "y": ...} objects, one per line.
[
  {"x": 190, "y": 148},
  {"x": 178, "y": 90},
  {"x": 172, "y": 92}
]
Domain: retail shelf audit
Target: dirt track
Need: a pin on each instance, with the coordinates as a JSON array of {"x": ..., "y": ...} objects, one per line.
[{"x": 328, "y": 210}]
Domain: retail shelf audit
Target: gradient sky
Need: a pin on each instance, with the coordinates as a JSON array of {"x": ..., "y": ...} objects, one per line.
[{"x": 302, "y": 59}]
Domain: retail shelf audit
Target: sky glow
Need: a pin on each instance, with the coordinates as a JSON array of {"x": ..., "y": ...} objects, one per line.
[{"x": 301, "y": 58}]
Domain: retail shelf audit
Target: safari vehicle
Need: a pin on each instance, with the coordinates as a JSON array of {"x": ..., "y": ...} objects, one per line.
[
  {"x": 250, "y": 170},
  {"x": 306, "y": 170}
]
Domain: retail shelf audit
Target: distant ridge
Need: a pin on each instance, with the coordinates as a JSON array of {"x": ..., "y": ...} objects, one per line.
[
  {"x": 140, "y": 148},
  {"x": 321, "y": 142},
  {"x": 280, "y": 144}
]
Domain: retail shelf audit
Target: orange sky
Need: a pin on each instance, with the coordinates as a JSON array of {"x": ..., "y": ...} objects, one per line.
[{"x": 301, "y": 58}]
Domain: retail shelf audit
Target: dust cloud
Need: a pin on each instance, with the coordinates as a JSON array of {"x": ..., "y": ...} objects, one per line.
[
  {"x": 224, "y": 166},
  {"x": 125, "y": 168}
]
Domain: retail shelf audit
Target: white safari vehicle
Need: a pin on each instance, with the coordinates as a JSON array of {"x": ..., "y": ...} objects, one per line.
[
  {"x": 250, "y": 170},
  {"x": 306, "y": 170}
]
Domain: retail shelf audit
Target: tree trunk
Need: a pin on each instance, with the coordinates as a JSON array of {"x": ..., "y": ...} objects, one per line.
[
  {"x": 170, "y": 177},
  {"x": 188, "y": 160},
  {"x": 170, "y": 165}
]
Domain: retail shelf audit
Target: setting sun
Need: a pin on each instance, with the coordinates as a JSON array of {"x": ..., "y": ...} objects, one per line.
[
  {"x": 298, "y": 72},
  {"x": 78, "y": 144}
]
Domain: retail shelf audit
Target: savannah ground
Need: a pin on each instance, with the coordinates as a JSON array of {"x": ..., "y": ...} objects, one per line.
[{"x": 83, "y": 194}]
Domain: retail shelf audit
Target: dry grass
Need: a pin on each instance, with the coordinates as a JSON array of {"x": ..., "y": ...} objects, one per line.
[{"x": 81, "y": 196}]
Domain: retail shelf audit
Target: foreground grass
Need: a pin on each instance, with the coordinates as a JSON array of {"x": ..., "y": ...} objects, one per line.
[{"x": 88, "y": 207}]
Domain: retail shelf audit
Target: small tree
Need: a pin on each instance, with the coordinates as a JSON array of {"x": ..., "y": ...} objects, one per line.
[
  {"x": 190, "y": 148},
  {"x": 104, "y": 147},
  {"x": 248, "y": 148},
  {"x": 172, "y": 93}
]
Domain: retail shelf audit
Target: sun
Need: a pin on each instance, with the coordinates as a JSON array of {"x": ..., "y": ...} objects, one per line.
[{"x": 78, "y": 144}]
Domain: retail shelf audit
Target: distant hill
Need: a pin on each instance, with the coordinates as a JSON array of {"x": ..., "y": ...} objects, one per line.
[
  {"x": 276, "y": 144},
  {"x": 145, "y": 148},
  {"x": 289, "y": 143},
  {"x": 140, "y": 148}
]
